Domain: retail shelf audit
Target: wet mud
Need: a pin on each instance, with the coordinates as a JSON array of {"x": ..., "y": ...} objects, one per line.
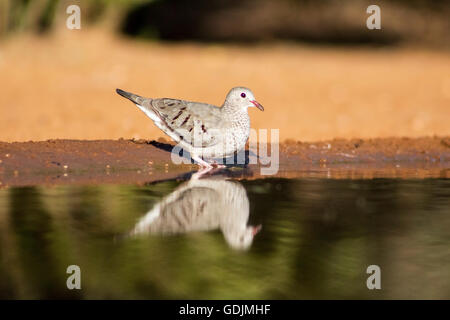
[{"x": 148, "y": 161}]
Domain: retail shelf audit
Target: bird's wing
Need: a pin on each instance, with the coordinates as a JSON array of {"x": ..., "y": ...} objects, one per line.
[
  {"x": 191, "y": 209},
  {"x": 195, "y": 123}
]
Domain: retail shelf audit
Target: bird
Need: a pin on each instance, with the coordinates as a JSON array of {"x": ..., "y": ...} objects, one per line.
[
  {"x": 202, "y": 205},
  {"x": 204, "y": 130}
]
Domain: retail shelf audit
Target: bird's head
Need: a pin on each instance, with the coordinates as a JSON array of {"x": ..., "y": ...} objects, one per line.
[
  {"x": 242, "y": 98},
  {"x": 242, "y": 239}
]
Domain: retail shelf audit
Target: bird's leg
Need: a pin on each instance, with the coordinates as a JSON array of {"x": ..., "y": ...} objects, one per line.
[
  {"x": 202, "y": 163},
  {"x": 200, "y": 173},
  {"x": 215, "y": 164},
  {"x": 205, "y": 167}
]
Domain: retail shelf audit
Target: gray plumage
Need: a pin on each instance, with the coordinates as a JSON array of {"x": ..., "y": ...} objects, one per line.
[
  {"x": 202, "y": 205},
  {"x": 202, "y": 129}
]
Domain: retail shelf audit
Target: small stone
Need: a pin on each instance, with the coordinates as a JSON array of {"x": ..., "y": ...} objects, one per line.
[{"x": 65, "y": 166}]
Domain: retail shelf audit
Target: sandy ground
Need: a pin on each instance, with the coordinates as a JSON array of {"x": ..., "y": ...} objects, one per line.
[
  {"x": 63, "y": 86},
  {"x": 140, "y": 161}
]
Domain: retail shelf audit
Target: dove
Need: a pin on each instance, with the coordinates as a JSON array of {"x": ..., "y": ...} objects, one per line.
[
  {"x": 202, "y": 205},
  {"x": 204, "y": 130}
]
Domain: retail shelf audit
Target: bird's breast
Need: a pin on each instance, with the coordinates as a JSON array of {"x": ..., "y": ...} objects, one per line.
[{"x": 237, "y": 134}]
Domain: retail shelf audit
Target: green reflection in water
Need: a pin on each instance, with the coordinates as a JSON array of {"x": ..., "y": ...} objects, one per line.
[{"x": 318, "y": 237}]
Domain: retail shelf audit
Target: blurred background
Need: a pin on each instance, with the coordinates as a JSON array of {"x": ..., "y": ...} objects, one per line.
[{"x": 314, "y": 65}]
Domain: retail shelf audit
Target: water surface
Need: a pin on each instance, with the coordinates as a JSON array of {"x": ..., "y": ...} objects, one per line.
[{"x": 202, "y": 240}]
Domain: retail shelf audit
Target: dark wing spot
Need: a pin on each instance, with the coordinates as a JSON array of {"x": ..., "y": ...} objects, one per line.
[
  {"x": 190, "y": 129},
  {"x": 179, "y": 114},
  {"x": 185, "y": 215},
  {"x": 182, "y": 109},
  {"x": 202, "y": 207},
  {"x": 203, "y": 128},
  {"x": 185, "y": 120},
  {"x": 171, "y": 104},
  {"x": 178, "y": 221}
]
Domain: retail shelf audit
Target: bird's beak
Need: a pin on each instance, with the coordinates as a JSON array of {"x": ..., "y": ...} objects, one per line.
[
  {"x": 257, "y": 104},
  {"x": 257, "y": 228}
]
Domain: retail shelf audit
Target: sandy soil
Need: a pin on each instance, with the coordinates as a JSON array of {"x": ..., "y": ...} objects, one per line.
[
  {"x": 130, "y": 161},
  {"x": 63, "y": 87}
]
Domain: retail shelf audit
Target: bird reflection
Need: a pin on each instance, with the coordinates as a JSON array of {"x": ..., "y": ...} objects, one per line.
[{"x": 202, "y": 205}]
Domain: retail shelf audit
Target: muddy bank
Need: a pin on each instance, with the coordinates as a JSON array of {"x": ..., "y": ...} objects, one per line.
[{"x": 140, "y": 161}]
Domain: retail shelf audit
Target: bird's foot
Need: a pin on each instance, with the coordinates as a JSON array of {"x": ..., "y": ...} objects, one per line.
[
  {"x": 202, "y": 163},
  {"x": 200, "y": 173},
  {"x": 206, "y": 167},
  {"x": 216, "y": 165}
]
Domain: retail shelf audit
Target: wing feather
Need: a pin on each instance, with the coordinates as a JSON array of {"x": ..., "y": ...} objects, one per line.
[{"x": 197, "y": 124}]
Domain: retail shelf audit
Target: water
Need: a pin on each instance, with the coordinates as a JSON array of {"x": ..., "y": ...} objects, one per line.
[{"x": 316, "y": 240}]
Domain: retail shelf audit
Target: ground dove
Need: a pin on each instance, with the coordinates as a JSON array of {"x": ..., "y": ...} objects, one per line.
[
  {"x": 206, "y": 131},
  {"x": 202, "y": 205}
]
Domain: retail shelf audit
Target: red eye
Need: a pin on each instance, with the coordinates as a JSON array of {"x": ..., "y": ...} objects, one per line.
[{"x": 243, "y": 95}]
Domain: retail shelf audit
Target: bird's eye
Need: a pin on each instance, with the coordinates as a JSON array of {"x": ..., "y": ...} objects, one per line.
[{"x": 243, "y": 95}]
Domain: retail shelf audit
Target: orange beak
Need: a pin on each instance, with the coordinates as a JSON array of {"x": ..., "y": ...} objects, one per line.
[{"x": 257, "y": 104}]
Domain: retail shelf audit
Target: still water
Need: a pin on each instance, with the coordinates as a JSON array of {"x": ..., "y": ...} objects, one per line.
[{"x": 224, "y": 239}]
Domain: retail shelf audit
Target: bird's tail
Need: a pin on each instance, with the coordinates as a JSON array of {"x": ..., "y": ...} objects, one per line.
[{"x": 131, "y": 96}]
